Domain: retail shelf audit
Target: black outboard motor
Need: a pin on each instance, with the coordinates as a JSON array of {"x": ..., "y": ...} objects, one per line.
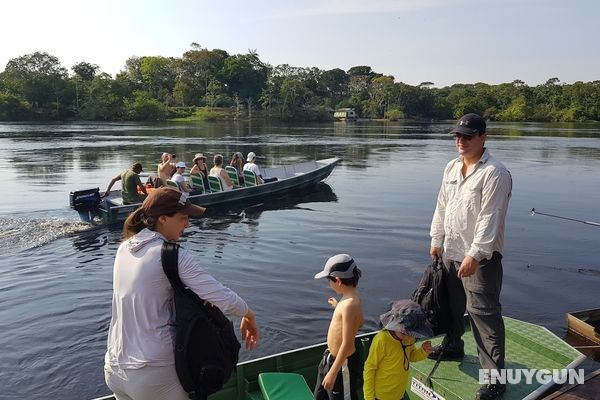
[{"x": 85, "y": 202}]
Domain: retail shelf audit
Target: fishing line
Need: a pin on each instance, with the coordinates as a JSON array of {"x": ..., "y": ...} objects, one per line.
[{"x": 533, "y": 212}]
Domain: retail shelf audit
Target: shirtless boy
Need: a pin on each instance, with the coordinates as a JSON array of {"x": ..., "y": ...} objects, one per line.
[{"x": 339, "y": 369}]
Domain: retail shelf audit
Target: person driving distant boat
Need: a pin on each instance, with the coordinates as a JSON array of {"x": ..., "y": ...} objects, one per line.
[{"x": 129, "y": 186}]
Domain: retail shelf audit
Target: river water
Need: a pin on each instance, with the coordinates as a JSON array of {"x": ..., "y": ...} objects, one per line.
[{"x": 55, "y": 273}]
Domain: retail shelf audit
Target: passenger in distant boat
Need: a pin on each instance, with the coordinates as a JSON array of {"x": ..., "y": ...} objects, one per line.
[
  {"x": 468, "y": 224},
  {"x": 251, "y": 166},
  {"x": 339, "y": 368},
  {"x": 140, "y": 358},
  {"x": 200, "y": 166},
  {"x": 166, "y": 168},
  {"x": 220, "y": 173},
  {"x": 130, "y": 184},
  {"x": 237, "y": 161},
  {"x": 393, "y": 349},
  {"x": 178, "y": 177}
]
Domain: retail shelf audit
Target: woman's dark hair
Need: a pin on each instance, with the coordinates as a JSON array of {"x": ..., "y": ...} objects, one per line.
[
  {"x": 135, "y": 222},
  {"x": 218, "y": 159}
]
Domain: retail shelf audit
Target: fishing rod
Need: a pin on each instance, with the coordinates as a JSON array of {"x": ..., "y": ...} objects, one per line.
[{"x": 533, "y": 212}]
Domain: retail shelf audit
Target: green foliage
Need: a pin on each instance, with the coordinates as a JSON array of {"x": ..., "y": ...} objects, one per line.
[
  {"x": 394, "y": 114},
  {"x": 201, "y": 114},
  {"x": 12, "y": 108},
  {"x": 37, "y": 87},
  {"x": 144, "y": 108}
]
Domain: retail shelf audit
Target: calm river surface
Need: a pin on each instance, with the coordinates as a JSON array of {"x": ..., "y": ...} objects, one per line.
[{"x": 55, "y": 274}]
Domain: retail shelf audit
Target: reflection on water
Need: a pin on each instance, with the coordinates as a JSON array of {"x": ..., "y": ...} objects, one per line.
[{"x": 56, "y": 274}]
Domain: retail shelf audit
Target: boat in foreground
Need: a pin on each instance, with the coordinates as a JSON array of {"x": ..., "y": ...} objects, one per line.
[
  {"x": 91, "y": 207},
  {"x": 527, "y": 346}
]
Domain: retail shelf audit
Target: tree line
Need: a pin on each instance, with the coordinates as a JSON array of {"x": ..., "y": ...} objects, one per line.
[{"x": 37, "y": 87}]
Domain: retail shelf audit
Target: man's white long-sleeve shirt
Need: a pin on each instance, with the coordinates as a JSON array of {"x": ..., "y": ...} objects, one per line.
[{"x": 470, "y": 212}]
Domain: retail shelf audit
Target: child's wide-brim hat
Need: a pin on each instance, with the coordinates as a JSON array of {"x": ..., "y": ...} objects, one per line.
[{"x": 407, "y": 317}]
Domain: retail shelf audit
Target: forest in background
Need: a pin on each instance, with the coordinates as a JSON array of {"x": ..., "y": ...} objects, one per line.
[{"x": 212, "y": 84}]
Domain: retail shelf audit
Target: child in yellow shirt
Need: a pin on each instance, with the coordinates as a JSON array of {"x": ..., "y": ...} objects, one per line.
[{"x": 386, "y": 369}]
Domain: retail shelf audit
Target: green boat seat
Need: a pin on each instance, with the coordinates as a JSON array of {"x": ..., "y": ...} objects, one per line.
[
  {"x": 232, "y": 172},
  {"x": 249, "y": 178},
  {"x": 197, "y": 182},
  {"x": 215, "y": 184},
  {"x": 172, "y": 184},
  {"x": 284, "y": 386}
]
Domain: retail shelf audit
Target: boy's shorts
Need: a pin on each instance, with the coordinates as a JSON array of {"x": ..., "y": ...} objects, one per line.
[{"x": 346, "y": 382}]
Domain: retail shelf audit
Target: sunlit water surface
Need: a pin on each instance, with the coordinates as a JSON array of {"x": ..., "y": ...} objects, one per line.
[{"x": 55, "y": 273}]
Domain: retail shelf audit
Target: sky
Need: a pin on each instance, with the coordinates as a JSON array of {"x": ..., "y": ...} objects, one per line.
[{"x": 439, "y": 41}]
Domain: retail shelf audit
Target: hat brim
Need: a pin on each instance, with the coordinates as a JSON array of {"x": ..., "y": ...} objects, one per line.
[
  {"x": 193, "y": 210},
  {"x": 464, "y": 130},
  {"x": 321, "y": 275},
  {"x": 421, "y": 333}
]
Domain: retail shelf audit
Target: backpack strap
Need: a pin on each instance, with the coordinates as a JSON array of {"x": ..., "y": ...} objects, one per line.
[{"x": 170, "y": 262}]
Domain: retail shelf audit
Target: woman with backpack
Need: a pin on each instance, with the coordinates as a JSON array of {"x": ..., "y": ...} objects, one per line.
[{"x": 139, "y": 362}]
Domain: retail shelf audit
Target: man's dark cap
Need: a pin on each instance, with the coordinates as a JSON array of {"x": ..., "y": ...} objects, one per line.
[
  {"x": 137, "y": 165},
  {"x": 470, "y": 125}
]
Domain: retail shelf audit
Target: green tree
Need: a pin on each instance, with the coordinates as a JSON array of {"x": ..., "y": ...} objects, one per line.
[
  {"x": 39, "y": 79},
  {"x": 144, "y": 108}
]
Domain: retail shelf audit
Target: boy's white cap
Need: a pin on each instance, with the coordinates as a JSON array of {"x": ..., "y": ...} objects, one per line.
[
  {"x": 251, "y": 156},
  {"x": 339, "y": 266},
  {"x": 180, "y": 164}
]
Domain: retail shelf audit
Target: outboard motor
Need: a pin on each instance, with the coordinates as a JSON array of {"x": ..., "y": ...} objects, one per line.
[{"x": 85, "y": 202}]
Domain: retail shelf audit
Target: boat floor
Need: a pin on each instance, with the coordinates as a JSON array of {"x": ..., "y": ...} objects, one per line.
[{"x": 527, "y": 346}]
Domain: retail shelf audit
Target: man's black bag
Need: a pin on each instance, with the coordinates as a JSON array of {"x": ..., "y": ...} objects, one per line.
[
  {"x": 432, "y": 295},
  {"x": 206, "y": 348}
]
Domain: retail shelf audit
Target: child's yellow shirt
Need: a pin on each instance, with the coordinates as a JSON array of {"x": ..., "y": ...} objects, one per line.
[{"x": 386, "y": 369}]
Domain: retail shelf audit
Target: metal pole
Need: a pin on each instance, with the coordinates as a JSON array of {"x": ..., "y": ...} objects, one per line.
[{"x": 533, "y": 212}]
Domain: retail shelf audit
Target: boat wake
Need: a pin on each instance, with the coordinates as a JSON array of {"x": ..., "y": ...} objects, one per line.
[{"x": 17, "y": 234}]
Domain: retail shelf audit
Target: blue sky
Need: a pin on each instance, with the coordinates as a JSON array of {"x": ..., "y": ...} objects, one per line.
[{"x": 442, "y": 41}]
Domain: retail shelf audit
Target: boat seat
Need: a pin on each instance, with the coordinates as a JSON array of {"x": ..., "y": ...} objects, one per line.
[
  {"x": 215, "y": 184},
  {"x": 173, "y": 184},
  {"x": 232, "y": 172},
  {"x": 197, "y": 183},
  {"x": 249, "y": 178},
  {"x": 284, "y": 386}
]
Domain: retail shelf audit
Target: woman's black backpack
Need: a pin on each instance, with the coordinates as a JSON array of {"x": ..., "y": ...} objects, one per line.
[
  {"x": 206, "y": 348},
  {"x": 432, "y": 295}
]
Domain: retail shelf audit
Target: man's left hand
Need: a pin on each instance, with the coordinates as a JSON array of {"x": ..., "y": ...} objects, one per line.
[{"x": 467, "y": 267}]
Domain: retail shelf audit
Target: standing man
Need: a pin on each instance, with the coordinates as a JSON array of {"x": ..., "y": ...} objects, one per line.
[
  {"x": 129, "y": 185},
  {"x": 469, "y": 223}
]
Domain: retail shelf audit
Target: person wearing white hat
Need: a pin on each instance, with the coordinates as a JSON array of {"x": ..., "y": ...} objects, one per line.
[
  {"x": 339, "y": 368},
  {"x": 251, "y": 166},
  {"x": 180, "y": 179}
]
